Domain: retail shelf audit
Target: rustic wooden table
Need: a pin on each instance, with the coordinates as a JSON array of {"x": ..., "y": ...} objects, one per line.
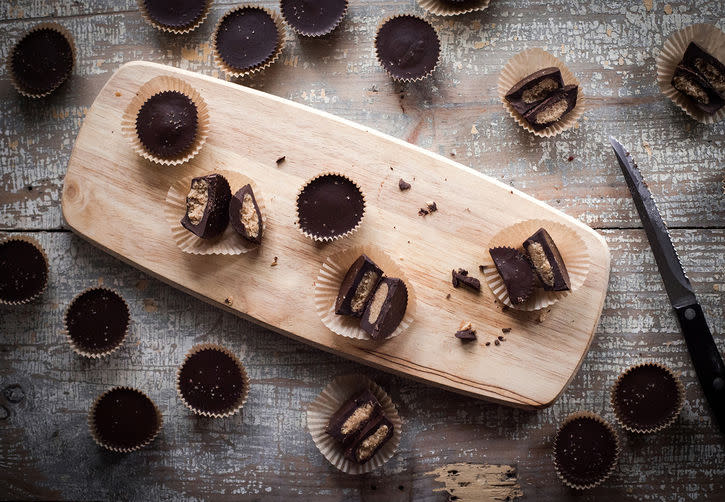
[{"x": 45, "y": 448}]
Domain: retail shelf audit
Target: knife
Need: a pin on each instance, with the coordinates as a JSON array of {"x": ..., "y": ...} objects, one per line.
[{"x": 703, "y": 351}]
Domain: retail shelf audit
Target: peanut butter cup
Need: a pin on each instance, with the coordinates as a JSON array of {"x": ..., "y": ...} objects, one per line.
[
  {"x": 547, "y": 261},
  {"x": 23, "y": 270},
  {"x": 345, "y": 424},
  {"x": 245, "y": 215},
  {"x": 207, "y": 206},
  {"x": 407, "y": 47},
  {"x": 386, "y": 308},
  {"x": 41, "y": 60},
  {"x": 96, "y": 322},
  {"x": 357, "y": 287},
  {"x": 176, "y": 16},
  {"x": 124, "y": 419},
  {"x": 313, "y": 18},
  {"x": 167, "y": 123},
  {"x": 329, "y": 206}
]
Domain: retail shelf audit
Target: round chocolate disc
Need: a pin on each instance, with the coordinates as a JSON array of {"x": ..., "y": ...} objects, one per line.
[
  {"x": 41, "y": 61},
  {"x": 125, "y": 418},
  {"x": 246, "y": 37},
  {"x": 211, "y": 381},
  {"x": 585, "y": 450},
  {"x": 330, "y": 205},
  {"x": 313, "y": 17},
  {"x": 408, "y": 47},
  {"x": 646, "y": 397},
  {"x": 167, "y": 124},
  {"x": 97, "y": 320},
  {"x": 23, "y": 271},
  {"x": 175, "y": 13}
]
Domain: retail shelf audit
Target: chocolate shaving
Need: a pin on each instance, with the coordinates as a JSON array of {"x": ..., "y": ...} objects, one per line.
[
  {"x": 466, "y": 335},
  {"x": 281, "y": 159},
  {"x": 274, "y": 263},
  {"x": 497, "y": 342},
  {"x": 432, "y": 207},
  {"x": 460, "y": 277},
  {"x": 422, "y": 212},
  {"x": 403, "y": 185},
  {"x": 506, "y": 330}
]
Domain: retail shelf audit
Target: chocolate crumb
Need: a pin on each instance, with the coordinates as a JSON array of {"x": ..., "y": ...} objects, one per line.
[
  {"x": 482, "y": 268},
  {"x": 228, "y": 300},
  {"x": 466, "y": 335},
  {"x": 118, "y": 94},
  {"x": 543, "y": 315},
  {"x": 274, "y": 263},
  {"x": 506, "y": 330},
  {"x": 281, "y": 159},
  {"x": 571, "y": 157},
  {"x": 460, "y": 276},
  {"x": 30, "y": 188},
  {"x": 422, "y": 212},
  {"x": 391, "y": 167},
  {"x": 488, "y": 343},
  {"x": 448, "y": 296},
  {"x": 504, "y": 308},
  {"x": 497, "y": 342},
  {"x": 403, "y": 185},
  {"x": 500, "y": 338},
  {"x": 432, "y": 207}
]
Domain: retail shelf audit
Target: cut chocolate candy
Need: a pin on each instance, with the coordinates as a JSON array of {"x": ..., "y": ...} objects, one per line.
[
  {"x": 515, "y": 271},
  {"x": 694, "y": 86},
  {"x": 460, "y": 277},
  {"x": 386, "y": 308},
  {"x": 357, "y": 287},
  {"x": 547, "y": 261},
  {"x": 245, "y": 216},
  {"x": 355, "y": 413},
  {"x": 466, "y": 335},
  {"x": 207, "y": 206},
  {"x": 534, "y": 89},
  {"x": 370, "y": 440},
  {"x": 553, "y": 108},
  {"x": 403, "y": 185},
  {"x": 708, "y": 66}
]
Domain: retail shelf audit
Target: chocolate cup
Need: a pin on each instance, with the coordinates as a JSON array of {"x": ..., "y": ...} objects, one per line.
[
  {"x": 123, "y": 316},
  {"x": 382, "y": 44},
  {"x": 355, "y": 275},
  {"x": 453, "y": 7},
  {"x": 176, "y": 29},
  {"x": 392, "y": 309},
  {"x": 215, "y": 218},
  {"x": 236, "y": 204},
  {"x": 40, "y": 277},
  {"x": 516, "y": 94},
  {"x": 305, "y": 26},
  {"x": 714, "y": 100}
]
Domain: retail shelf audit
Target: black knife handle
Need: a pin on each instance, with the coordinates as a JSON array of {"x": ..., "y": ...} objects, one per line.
[{"x": 705, "y": 357}]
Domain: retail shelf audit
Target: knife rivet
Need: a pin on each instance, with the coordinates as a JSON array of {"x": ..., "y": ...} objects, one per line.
[
  {"x": 718, "y": 384},
  {"x": 690, "y": 314}
]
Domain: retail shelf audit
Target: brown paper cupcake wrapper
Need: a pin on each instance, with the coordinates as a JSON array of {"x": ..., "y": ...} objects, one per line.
[
  {"x": 310, "y": 34},
  {"x": 395, "y": 77},
  {"x": 55, "y": 27},
  {"x": 101, "y": 443},
  {"x": 588, "y": 414},
  {"x": 37, "y": 246},
  {"x": 80, "y": 350},
  {"x": 180, "y": 30},
  {"x": 151, "y": 88},
  {"x": 229, "y": 242},
  {"x": 524, "y": 64},
  {"x": 236, "y": 72},
  {"x": 327, "y": 238},
  {"x": 664, "y": 425},
  {"x": 245, "y": 381},
  {"x": 329, "y": 401},
  {"x": 443, "y": 8},
  {"x": 709, "y": 38},
  {"x": 573, "y": 251},
  {"x": 327, "y": 286}
]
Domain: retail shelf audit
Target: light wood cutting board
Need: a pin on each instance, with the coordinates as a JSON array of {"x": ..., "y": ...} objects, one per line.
[{"x": 115, "y": 199}]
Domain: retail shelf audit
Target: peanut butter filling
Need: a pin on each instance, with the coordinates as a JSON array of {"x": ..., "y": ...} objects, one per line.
[
  {"x": 711, "y": 74},
  {"x": 539, "y": 91},
  {"x": 684, "y": 84},
  {"x": 358, "y": 417},
  {"x": 541, "y": 263},
  {"x": 248, "y": 215},
  {"x": 196, "y": 200},
  {"x": 377, "y": 304},
  {"x": 363, "y": 290},
  {"x": 368, "y": 445},
  {"x": 552, "y": 113}
]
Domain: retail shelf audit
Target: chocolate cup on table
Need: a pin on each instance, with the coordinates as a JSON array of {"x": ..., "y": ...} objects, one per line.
[
  {"x": 534, "y": 89},
  {"x": 313, "y": 19},
  {"x": 96, "y": 322},
  {"x": 175, "y": 16},
  {"x": 407, "y": 47},
  {"x": 453, "y": 7},
  {"x": 515, "y": 271},
  {"x": 24, "y": 270}
]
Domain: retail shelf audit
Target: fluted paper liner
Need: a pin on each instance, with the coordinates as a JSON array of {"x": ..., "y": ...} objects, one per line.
[
  {"x": 42, "y": 26},
  {"x": 229, "y": 242},
  {"x": 80, "y": 350},
  {"x": 97, "y": 439},
  {"x": 317, "y": 238},
  {"x": 443, "y": 8},
  {"x": 176, "y": 30},
  {"x": 587, "y": 414},
  {"x": 524, "y": 64},
  {"x": 36, "y": 244},
  {"x": 243, "y": 72},
  {"x": 313, "y": 34},
  {"x": 155, "y": 86},
  {"x": 327, "y": 286},
  {"x": 329, "y": 401},
  {"x": 663, "y": 425},
  {"x": 233, "y": 410},
  {"x": 709, "y": 38},
  {"x": 573, "y": 251},
  {"x": 396, "y": 77}
]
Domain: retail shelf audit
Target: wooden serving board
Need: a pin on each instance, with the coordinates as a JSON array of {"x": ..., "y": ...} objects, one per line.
[{"x": 115, "y": 199}]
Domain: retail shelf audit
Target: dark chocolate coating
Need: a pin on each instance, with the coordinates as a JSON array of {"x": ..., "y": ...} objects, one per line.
[
  {"x": 714, "y": 100},
  {"x": 167, "y": 123},
  {"x": 466, "y": 335},
  {"x": 336, "y": 421},
  {"x": 568, "y": 92},
  {"x": 460, "y": 277},
  {"x": 515, "y": 94},
  {"x": 23, "y": 271},
  {"x": 97, "y": 320},
  {"x": 41, "y": 61},
  {"x": 584, "y": 451},
  {"x": 330, "y": 205},
  {"x": 313, "y": 17},
  {"x": 646, "y": 397},
  {"x": 235, "y": 208},
  {"x": 708, "y": 66},
  {"x": 349, "y": 285},
  {"x": 516, "y": 273},
  {"x": 216, "y": 212},
  {"x": 247, "y": 37},
  {"x": 553, "y": 256},
  {"x": 391, "y": 313},
  {"x": 369, "y": 429},
  {"x": 407, "y": 47},
  {"x": 125, "y": 418},
  {"x": 211, "y": 381},
  {"x": 175, "y": 13}
]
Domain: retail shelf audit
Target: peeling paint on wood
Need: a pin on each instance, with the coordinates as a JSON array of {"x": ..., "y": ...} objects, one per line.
[{"x": 479, "y": 482}]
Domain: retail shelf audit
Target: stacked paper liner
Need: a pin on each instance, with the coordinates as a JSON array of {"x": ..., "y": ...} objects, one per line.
[
  {"x": 524, "y": 64},
  {"x": 312, "y": 34},
  {"x": 37, "y": 246},
  {"x": 151, "y": 88},
  {"x": 380, "y": 61},
  {"x": 709, "y": 38},
  {"x": 648, "y": 430},
  {"x": 573, "y": 251},
  {"x": 42, "y": 26},
  {"x": 80, "y": 350},
  {"x": 176, "y": 30},
  {"x": 447, "y": 8},
  {"x": 329, "y": 401},
  {"x": 245, "y": 381},
  {"x": 229, "y": 242},
  {"x": 327, "y": 286}
]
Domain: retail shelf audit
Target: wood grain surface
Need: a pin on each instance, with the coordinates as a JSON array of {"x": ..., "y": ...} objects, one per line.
[{"x": 45, "y": 450}]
